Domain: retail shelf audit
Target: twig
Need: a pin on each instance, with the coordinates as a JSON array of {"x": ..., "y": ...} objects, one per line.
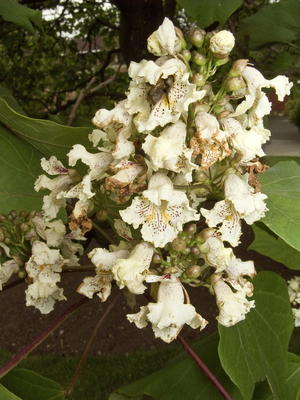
[
  {"x": 9, "y": 365},
  {"x": 79, "y": 99},
  {"x": 103, "y": 233},
  {"x": 88, "y": 346},
  {"x": 204, "y": 368}
]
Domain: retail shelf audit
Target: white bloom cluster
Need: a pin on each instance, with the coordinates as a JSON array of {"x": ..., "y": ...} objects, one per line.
[
  {"x": 175, "y": 141},
  {"x": 294, "y": 293}
]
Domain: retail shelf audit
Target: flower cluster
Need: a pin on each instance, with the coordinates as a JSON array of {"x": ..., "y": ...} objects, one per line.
[{"x": 173, "y": 174}]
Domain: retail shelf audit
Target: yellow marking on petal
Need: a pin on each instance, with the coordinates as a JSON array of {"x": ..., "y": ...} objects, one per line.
[
  {"x": 150, "y": 216},
  {"x": 164, "y": 212},
  {"x": 229, "y": 217}
]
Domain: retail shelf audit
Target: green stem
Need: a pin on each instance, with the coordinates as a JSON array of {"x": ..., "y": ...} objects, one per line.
[{"x": 103, "y": 233}]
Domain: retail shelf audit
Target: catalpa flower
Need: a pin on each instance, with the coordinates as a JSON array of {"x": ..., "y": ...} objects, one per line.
[
  {"x": 64, "y": 180},
  {"x": 7, "y": 269},
  {"x": 131, "y": 272},
  {"x": 161, "y": 210},
  {"x": 215, "y": 253},
  {"x": 115, "y": 128},
  {"x": 169, "y": 151},
  {"x": 159, "y": 93},
  {"x": 209, "y": 141},
  {"x": 249, "y": 205},
  {"x": 164, "y": 41},
  {"x": 169, "y": 314},
  {"x": 221, "y": 43},
  {"x": 100, "y": 284}
]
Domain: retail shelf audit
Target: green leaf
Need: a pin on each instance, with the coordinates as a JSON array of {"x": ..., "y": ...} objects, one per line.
[
  {"x": 282, "y": 185},
  {"x": 181, "y": 378},
  {"x": 6, "y": 94},
  {"x": 256, "y": 348},
  {"x": 31, "y": 386},
  {"x": 20, "y": 166},
  {"x": 272, "y": 246},
  {"x": 205, "y": 12},
  {"x": 12, "y": 11},
  {"x": 46, "y": 136},
  {"x": 272, "y": 160},
  {"x": 7, "y": 395},
  {"x": 291, "y": 388},
  {"x": 285, "y": 16}
]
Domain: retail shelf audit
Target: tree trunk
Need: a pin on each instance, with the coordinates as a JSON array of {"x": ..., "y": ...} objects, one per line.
[{"x": 139, "y": 18}]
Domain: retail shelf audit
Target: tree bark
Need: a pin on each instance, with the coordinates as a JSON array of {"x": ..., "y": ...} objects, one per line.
[{"x": 139, "y": 18}]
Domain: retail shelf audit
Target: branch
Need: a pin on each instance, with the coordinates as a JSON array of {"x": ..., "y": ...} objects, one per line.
[
  {"x": 23, "y": 353},
  {"x": 204, "y": 368},
  {"x": 89, "y": 345}
]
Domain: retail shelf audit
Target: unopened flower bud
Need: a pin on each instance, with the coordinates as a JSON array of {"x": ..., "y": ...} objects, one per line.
[
  {"x": 21, "y": 274},
  {"x": 221, "y": 61},
  {"x": 7, "y": 241},
  {"x": 2, "y": 236},
  {"x": 199, "y": 79},
  {"x": 234, "y": 84},
  {"x": 194, "y": 271},
  {"x": 2, "y": 217},
  {"x": 156, "y": 259},
  {"x": 13, "y": 214},
  {"x": 178, "y": 244},
  {"x": 170, "y": 270},
  {"x": 196, "y": 37},
  {"x": 190, "y": 228},
  {"x": 22, "y": 214},
  {"x": 198, "y": 58},
  {"x": 204, "y": 235},
  {"x": 202, "y": 107},
  {"x": 195, "y": 250},
  {"x": 186, "y": 54},
  {"x": 222, "y": 43},
  {"x": 101, "y": 215},
  {"x": 238, "y": 67}
]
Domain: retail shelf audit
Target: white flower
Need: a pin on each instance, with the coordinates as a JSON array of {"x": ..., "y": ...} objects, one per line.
[
  {"x": 117, "y": 126},
  {"x": 159, "y": 94},
  {"x": 63, "y": 181},
  {"x": 255, "y": 98},
  {"x": 44, "y": 267},
  {"x": 209, "y": 141},
  {"x": 169, "y": 314},
  {"x": 233, "y": 303},
  {"x": 250, "y": 206},
  {"x": 100, "y": 284},
  {"x": 296, "y": 314},
  {"x": 98, "y": 163},
  {"x": 248, "y": 142},
  {"x": 294, "y": 290},
  {"x": 7, "y": 269},
  {"x": 131, "y": 271},
  {"x": 163, "y": 41},
  {"x": 52, "y": 232},
  {"x": 160, "y": 210},
  {"x": 169, "y": 151},
  {"x": 43, "y": 296},
  {"x": 222, "y": 43},
  {"x": 225, "y": 214},
  {"x": 45, "y": 264},
  {"x": 216, "y": 254},
  {"x": 70, "y": 251}
]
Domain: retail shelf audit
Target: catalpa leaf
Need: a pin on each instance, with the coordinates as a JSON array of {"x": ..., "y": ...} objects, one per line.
[{"x": 12, "y": 11}]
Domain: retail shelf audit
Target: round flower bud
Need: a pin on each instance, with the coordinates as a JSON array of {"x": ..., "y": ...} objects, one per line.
[
  {"x": 194, "y": 271},
  {"x": 170, "y": 270},
  {"x": 222, "y": 43},
  {"x": 221, "y": 61},
  {"x": 238, "y": 67},
  {"x": 178, "y": 244},
  {"x": 198, "y": 58},
  {"x": 101, "y": 215},
  {"x": 199, "y": 79},
  {"x": 195, "y": 250},
  {"x": 190, "y": 228},
  {"x": 235, "y": 83},
  {"x": 2, "y": 236},
  {"x": 22, "y": 274},
  {"x": 196, "y": 37},
  {"x": 186, "y": 54},
  {"x": 156, "y": 259},
  {"x": 204, "y": 235},
  {"x": 13, "y": 214}
]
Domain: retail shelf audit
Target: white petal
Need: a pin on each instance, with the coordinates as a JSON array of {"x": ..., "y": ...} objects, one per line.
[{"x": 163, "y": 41}]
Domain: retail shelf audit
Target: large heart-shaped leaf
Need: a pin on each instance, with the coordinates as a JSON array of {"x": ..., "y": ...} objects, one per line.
[
  {"x": 29, "y": 385},
  {"x": 282, "y": 185},
  {"x": 272, "y": 246},
  {"x": 256, "y": 348},
  {"x": 285, "y": 16},
  {"x": 19, "y": 166},
  {"x": 12, "y": 11},
  {"x": 46, "y": 136},
  {"x": 205, "y": 12}
]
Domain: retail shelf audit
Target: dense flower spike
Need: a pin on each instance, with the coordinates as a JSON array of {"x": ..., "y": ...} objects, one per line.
[{"x": 180, "y": 151}]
